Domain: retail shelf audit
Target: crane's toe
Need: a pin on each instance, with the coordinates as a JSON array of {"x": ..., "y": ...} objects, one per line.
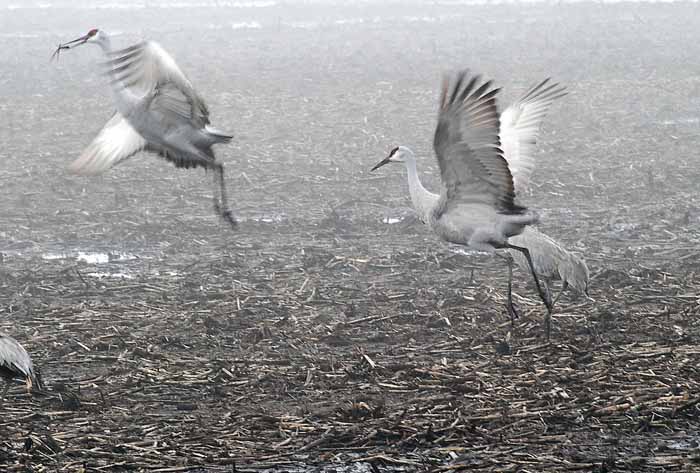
[{"x": 228, "y": 216}]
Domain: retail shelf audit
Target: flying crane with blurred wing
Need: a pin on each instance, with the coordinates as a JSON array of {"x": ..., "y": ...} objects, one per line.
[{"x": 158, "y": 110}]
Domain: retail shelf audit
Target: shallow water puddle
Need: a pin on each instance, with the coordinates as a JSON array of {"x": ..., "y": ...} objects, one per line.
[
  {"x": 681, "y": 121},
  {"x": 392, "y": 220},
  {"x": 117, "y": 275},
  {"x": 90, "y": 257},
  {"x": 691, "y": 442},
  {"x": 267, "y": 218}
]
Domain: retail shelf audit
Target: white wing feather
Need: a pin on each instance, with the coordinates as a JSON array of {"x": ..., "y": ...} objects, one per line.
[
  {"x": 116, "y": 142},
  {"x": 520, "y": 127},
  {"x": 15, "y": 357}
]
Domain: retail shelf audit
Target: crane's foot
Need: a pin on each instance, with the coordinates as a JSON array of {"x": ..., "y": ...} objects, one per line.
[{"x": 226, "y": 215}]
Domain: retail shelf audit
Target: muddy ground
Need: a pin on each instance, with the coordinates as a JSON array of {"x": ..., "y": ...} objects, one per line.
[{"x": 332, "y": 331}]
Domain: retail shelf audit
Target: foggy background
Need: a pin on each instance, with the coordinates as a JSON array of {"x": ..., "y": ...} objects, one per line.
[{"x": 317, "y": 92}]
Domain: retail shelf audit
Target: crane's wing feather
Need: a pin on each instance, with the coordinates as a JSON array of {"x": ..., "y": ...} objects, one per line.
[
  {"x": 466, "y": 143},
  {"x": 520, "y": 126},
  {"x": 146, "y": 68},
  {"x": 171, "y": 102},
  {"x": 116, "y": 142},
  {"x": 14, "y": 357}
]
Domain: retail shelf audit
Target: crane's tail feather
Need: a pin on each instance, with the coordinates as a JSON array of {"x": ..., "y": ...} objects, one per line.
[
  {"x": 512, "y": 225},
  {"x": 218, "y": 135}
]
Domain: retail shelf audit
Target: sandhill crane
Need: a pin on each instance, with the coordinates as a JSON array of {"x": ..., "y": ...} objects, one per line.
[
  {"x": 158, "y": 110},
  {"x": 519, "y": 128},
  {"x": 476, "y": 207},
  {"x": 552, "y": 262},
  {"x": 15, "y": 362}
]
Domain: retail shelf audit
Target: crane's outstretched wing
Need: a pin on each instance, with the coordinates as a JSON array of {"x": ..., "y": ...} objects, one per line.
[
  {"x": 466, "y": 143},
  {"x": 147, "y": 69},
  {"x": 520, "y": 126},
  {"x": 116, "y": 142},
  {"x": 14, "y": 357}
]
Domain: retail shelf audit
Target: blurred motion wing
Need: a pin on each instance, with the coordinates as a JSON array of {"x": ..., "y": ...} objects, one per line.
[
  {"x": 146, "y": 68},
  {"x": 116, "y": 142}
]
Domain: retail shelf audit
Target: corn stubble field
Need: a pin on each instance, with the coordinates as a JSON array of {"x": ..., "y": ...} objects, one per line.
[{"x": 318, "y": 336}]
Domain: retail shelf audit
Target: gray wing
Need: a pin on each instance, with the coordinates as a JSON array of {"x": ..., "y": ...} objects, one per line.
[
  {"x": 520, "y": 126},
  {"x": 146, "y": 69},
  {"x": 14, "y": 357},
  {"x": 466, "y": 143}
]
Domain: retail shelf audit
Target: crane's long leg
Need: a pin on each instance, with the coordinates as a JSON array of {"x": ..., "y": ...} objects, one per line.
[
  {"x": 547, "y": 301},
  {"x": 547, "y": 291},
  {"x": 564, "y": 286},
  {"x": 221, "y": 196},
  {"x": 512, "y": 310},
  {"x": 548, "y": 315}
]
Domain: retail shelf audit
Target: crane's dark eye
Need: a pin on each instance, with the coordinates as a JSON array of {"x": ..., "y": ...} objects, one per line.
[
  {"x": 92, "y": 32},
  {"x": 393, "y": 151}
]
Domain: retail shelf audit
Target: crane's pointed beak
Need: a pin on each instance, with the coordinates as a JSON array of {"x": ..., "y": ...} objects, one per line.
[
  {"x": 76, "y": 42},
  {"x": 381, "y": 163},
  {"x": 69, "y": 45}
]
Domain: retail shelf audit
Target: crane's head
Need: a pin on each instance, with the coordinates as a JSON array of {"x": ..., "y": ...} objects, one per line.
[
  {"x": 399, "y": 154},
  {"x": 92, "y": 36},
  {"x": 579, "y": 275}
]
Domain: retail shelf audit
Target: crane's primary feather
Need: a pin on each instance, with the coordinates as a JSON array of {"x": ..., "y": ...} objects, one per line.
[
  {"x": 520, "y": 127},
  {"x": 466, "y": 144}
]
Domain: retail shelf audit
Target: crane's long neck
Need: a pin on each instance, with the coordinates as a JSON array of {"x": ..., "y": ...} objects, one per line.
[
  {"x": 105, "y": 43},
  {"x": 423, "y": 200},
  {"x": 125, "y": 100}
]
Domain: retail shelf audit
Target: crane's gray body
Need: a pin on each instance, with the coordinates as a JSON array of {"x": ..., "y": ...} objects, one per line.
[
  {"x": 478, "y": 226},
  {"x": 172, "y": 134}
]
